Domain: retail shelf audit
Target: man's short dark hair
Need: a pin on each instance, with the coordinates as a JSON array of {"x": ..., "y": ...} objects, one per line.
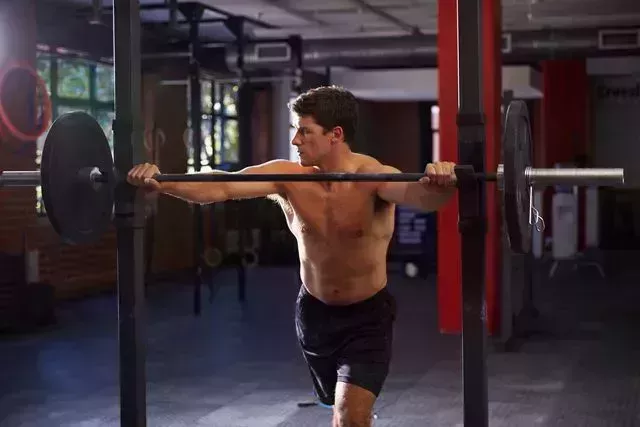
[{"x": 330, "y": 106}]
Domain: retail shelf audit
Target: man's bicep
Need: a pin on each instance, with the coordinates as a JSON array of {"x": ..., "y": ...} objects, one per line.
[{"x": 392, "y": 192}]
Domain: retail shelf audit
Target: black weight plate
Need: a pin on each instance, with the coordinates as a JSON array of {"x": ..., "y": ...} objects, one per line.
[
  {"x": 78, "y": 211},
  {"x": 517, "y": 155}
]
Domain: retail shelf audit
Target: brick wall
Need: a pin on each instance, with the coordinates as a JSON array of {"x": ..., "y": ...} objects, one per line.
[
  {"x": 392, "y": 130},
  {"x": 262, "y": 123},
  {"x": 74, "y": 270},
  {"x": 17, "y": 211}
]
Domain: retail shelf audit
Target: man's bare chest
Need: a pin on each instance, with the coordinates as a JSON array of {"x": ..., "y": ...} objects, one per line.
[{"x": 334, "y": 211}]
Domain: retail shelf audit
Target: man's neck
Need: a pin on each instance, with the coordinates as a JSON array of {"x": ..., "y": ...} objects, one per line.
[{"x": 338, "y": 160}]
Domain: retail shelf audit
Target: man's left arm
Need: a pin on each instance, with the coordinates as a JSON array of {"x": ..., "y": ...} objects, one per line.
[{"x": 429, "y": 194}]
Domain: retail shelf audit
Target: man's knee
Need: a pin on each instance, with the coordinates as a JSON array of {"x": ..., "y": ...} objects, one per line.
[
  {"x": 353, "y": 406},
  {"x": 344, "y": 416}
]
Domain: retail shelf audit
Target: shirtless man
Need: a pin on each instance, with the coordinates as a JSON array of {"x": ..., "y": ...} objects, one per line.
[{"x": 344, "y": 312}]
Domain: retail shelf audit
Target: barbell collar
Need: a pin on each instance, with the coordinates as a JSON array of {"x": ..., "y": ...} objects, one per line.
[{"x": 92, "y": 176}]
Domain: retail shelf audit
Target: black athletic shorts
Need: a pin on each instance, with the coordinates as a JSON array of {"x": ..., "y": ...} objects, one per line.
[{"x": 348, "y": 343}]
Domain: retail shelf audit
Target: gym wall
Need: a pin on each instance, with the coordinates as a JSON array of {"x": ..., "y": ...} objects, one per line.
[
  {"x": 394, "y": 132},
  {"x": 616, "y": 124},
  {"x": 169, "y": 226},
  {"x": 615, "y": 143},
  {"x": 564, "y": 121}
]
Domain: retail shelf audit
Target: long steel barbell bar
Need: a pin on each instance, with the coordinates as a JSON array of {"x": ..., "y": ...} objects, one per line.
[{"x": 534, "y": 177}]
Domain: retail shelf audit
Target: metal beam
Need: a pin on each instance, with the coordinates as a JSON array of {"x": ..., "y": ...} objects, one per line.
[
  {"x": 184, "y": 22},
  {"x": 309, "y": 17},
  {"x": 167, "y": 6},
  {"x": 387, "y": 17}
]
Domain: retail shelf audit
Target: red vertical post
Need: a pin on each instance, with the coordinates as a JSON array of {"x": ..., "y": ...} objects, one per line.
[
  {"x": 492, "y": 79},
  {"x": 449, "y": 262},
  {"x": 565, "y": 127}
]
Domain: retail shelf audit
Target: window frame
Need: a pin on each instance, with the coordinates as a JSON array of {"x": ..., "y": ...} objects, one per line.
[
  {"x": 218, "y": 119},
  {"x": 92, "y": 104}
]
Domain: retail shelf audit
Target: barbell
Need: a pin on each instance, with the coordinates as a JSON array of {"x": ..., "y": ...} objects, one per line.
[{"x": 78, "y": 178}]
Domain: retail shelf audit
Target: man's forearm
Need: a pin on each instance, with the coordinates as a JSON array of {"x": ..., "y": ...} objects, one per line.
[{"x": 425, "y": 198}]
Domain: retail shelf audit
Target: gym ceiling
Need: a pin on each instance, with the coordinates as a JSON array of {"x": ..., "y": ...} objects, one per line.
[{"x": 342, "y": 33}]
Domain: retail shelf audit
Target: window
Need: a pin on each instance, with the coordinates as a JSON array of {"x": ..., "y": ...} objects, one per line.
[
  {"x": 73, "y": 79},
  {"x": 76, "y": 84},
  {"x": 435, "y": 128},
  {"x": 220, "y": 132}
]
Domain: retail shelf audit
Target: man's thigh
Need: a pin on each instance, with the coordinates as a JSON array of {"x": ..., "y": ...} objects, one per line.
[
  {"x": 369, "y": 375},
  {"x": 323, "y": 375},
  {"x": 365, "y": 356}
]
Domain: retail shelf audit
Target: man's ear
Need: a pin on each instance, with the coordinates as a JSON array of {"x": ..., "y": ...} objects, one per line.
[{"x": 337, "y": 134}]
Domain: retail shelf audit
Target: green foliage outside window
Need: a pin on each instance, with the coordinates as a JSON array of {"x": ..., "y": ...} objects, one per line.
[
  {"x": 229, "y": 99},
  {"x": 44, "y": 69},
  {"x": 220, "y": 138},
  {"x": 105, "y": 84},
  {"x": 105, "y": 118},
  {"x": 207, "y": 97},
  {"x": 73, "y": 79}
]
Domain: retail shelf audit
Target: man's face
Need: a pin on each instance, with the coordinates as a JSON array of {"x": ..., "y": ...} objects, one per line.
[{"x": 311, "y": 140}]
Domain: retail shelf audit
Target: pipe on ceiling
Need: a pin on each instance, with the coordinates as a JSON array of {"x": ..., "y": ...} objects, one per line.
[{"x": 417, "y": 50}]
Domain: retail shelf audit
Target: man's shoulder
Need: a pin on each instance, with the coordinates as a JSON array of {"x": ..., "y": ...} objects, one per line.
[
  {"x": 287, "y": 166},
  {"x": 369, "y": 164}
]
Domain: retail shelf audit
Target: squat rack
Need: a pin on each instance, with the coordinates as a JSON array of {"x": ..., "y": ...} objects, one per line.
[
  {"x": 129, "y": 213},
  {"x": 128, "y": 132},
  {"x": 472, "y": 216}
]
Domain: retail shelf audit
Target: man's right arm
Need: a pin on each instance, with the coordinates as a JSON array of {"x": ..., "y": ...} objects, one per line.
[{"x": 210, "y": 192}]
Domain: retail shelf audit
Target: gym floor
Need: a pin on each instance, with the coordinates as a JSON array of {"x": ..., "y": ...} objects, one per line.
[{"x": 238, "y": 366}]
